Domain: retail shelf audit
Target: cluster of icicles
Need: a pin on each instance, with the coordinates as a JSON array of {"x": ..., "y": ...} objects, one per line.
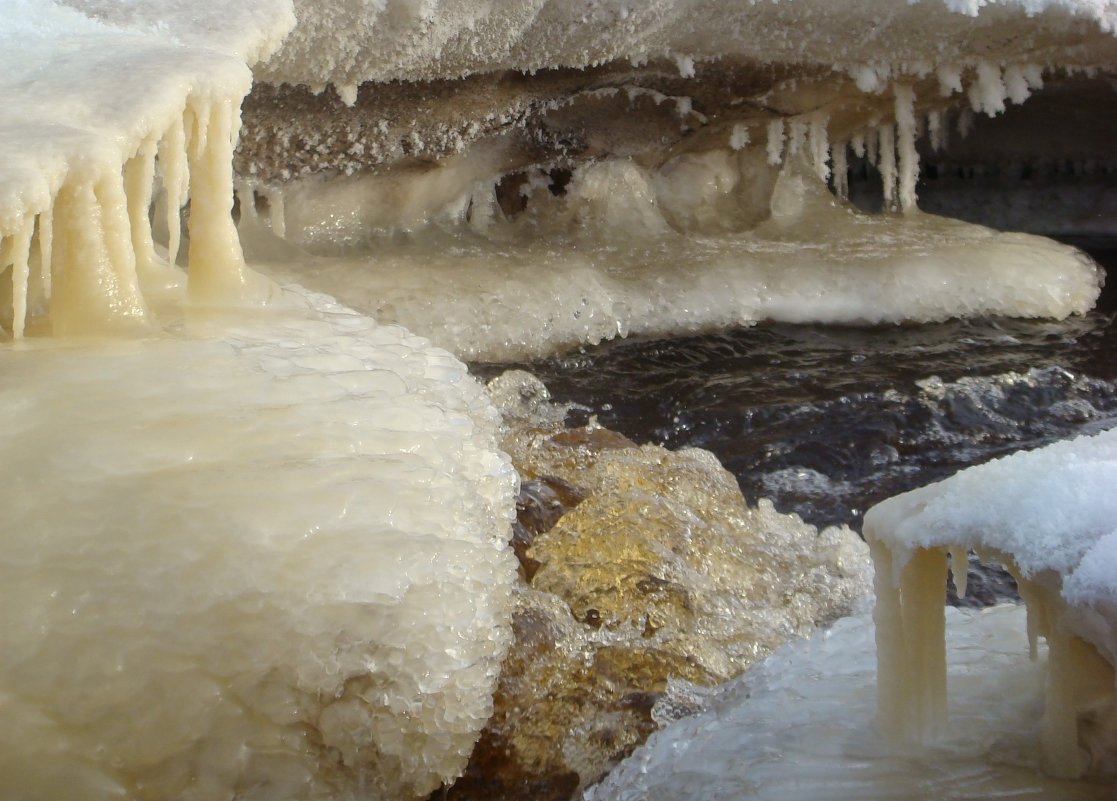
[
  {"x": 89, "y": 262},
  {"x": 890, "y": 145}
]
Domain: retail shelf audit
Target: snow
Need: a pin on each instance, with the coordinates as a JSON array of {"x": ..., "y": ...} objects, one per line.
[{"x": 1046, "y": 508}]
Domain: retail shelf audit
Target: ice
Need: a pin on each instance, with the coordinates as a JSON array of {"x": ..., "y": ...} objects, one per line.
[
  {"x": 88, "y": 100},
  {"x": 262, "y": 553},
  {"x": 630, "y": 251},
  {"x": 798, "y": 727},
  {"x": 1046, "y": 514},
  {"x": 348, "y": 42},
  {"x": 276, "y": 571}
]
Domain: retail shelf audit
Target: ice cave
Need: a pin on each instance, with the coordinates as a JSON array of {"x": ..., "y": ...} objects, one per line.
[{"x": 554, "y": 399}]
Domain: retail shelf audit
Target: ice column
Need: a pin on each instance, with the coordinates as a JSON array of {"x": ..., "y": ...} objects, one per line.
[
  {"x": 910, "y": 623},
  {"x": 217, "y": 270},
  {"x": 909, "y": 158},
  {"x": 93, "y": 252},
  {"x": 886, "y": 163}
]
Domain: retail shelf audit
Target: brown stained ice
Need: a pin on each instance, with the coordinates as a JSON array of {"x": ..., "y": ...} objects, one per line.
[{"x": 643, "y": 566}]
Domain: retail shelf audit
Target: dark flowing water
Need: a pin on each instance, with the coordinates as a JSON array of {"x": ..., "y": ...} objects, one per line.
[{"x": 826, "y": 421}]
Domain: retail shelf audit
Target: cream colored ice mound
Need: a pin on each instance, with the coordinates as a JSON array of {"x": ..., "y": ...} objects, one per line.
[{"x": 253, "y": 558}]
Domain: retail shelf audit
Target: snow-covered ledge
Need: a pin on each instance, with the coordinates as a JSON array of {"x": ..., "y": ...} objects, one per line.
[{"x": 1051, "y": 516}]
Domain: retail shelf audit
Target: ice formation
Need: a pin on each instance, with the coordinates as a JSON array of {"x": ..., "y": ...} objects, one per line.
[
  {"x": 94, "y": 105},
  {"x": 568, "y": 283},
  {"x": 248, "y": 552},
  {"x": 277, "y": 570},
  {"x": 290, "y": 548},
  {"x": 1047, "y": 514},
  {"x": 799, "y": 727},
  {"x": 559, "y": 162}
]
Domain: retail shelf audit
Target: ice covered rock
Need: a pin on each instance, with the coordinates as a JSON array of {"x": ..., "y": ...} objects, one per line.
[
  {"x": 644, "y": 568},
  {"x": 262, "y": 557}
]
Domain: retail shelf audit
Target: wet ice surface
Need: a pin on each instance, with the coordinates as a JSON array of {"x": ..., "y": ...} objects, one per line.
[
  {"x": 799, "y": 726},
  {"x": 827, "y": 421}
]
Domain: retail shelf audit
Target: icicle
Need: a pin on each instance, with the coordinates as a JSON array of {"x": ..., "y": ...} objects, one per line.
[
  {"x": 46, "y": 247},
  {"x": 988, "y": 93},
  {"x": 1033, "y": 75},
  {"x": 950, "y": 79},
  {"x": 1059, "y": 734},
  {"x": 909, "y": 158},
  {"x": 924, "y": 621},
  {"x": 797, "y": 137},
  {"x": 139, "y": 177},
  {"x": 246, "y": 200},
  {"x": 959, "y": 569},
  {"x": 175, "y": 171},
  {"x": 911, "y": 644},
  {"x": 858, "y": 145},
  {"x": 841, "y": 170},
  {"x": 886, "y": 136},
  {"x": 775, "y": 141},
  {"x": 139, "y": 173},
  {"x": 889, "y": 625},
  {"x": 277, "y": 213},
  {"x": 739, "y": 137},
  {"x": 935, "y": 130},
  {"x": 19, "y": 251},
  {"x": 965, "y": 122},
  {"x": 1016, "y": 85},
  {"x": 90, "y": 292},
  {"x": 820, "y": 146},
  {"x": 872, "y": 145}
]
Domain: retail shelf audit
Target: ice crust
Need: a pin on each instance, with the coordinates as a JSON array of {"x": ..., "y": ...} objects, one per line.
[
  {"x": 276, "y": 570},
  {"x": 1048, "y": 508},
  {"x": 349, "y": 42},
  {"x": 798, "y": 727}
]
